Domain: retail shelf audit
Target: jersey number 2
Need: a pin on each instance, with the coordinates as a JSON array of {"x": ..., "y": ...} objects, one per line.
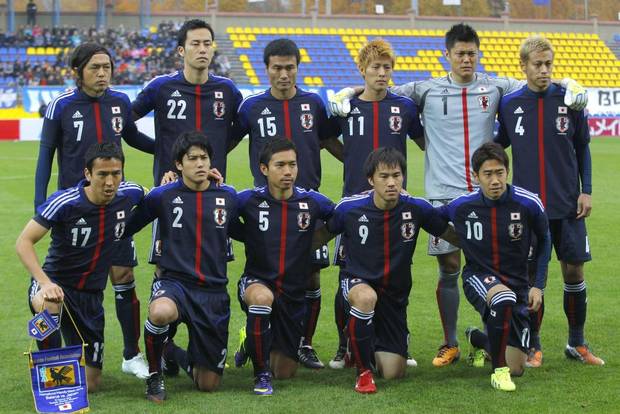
[{"x": 173, "y": 104}]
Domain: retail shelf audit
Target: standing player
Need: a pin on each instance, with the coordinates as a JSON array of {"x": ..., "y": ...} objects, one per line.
[
  {"x": 378, "y": 118},
  {"x": 94, "y": 113},
  {"x": 87, "y": 222},
  {"x": 458, "y": 113},
  {"x": 300, "y": 116},
  {"x": 495, "y": 226},
  {"x": 550, "y": 149},
  {"x": 194, "y": 216},
  {"x": 380, "y": 232},
  {"x": 279, "y": 221}
]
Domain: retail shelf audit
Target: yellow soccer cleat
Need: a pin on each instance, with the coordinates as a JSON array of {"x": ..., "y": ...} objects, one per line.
[{"x": 500, "y": 380}]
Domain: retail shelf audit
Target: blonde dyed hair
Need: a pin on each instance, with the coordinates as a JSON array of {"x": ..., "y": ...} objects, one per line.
[
  {"x": 534, "y": 44},
  {"x": 373, "y": 50}
]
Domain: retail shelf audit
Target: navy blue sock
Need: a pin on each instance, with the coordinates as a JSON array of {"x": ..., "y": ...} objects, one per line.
[
  {"x": 498, "y": 326},
  {"x": 128, "y": 314},
  {"x": 311, "y": 315},
  {"x": 259, "y": 336},
  {"x": 536, "y": 319},
  {"x": 575, "y": 307},
  {"x": 361, "y": 330},
  {"x": 154, "y": 338}
]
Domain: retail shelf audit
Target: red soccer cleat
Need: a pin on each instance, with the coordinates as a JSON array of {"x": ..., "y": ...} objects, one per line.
[{"x": 365, "y": 383}]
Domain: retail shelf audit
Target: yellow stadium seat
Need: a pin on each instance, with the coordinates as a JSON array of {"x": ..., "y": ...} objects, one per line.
[
  {"x": 254, "y": 81},
  {"x": 234, "y": 37},
  {"x": 308, "y": 80},
  {"x": 318, "y": 81},
  {"x": 230, "y": 30},
  {"x": 30, "y": 51},
  {"x": 250, "y": 73},
  {"x": 40, "y": 51}
]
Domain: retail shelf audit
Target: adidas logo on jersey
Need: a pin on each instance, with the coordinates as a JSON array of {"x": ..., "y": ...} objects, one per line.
[
  {"x": 363, "y": 219},
  {"x": 177, "y": 200},
  {"x": 77, "y": 114},
  {"x": 472, "y": 215},
  {"x": 175, "y": 94},
  {"x": 263, "y": 205},
  {"x": 445, "y": 91},
  {"x": 266, "y": 111},
  {"x": 355, "y": 111},
  {"x": 519, "y": 110},
  {"x": 81, "y": 222}
]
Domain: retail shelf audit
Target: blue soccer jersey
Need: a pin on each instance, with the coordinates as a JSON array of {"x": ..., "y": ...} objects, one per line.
[
  {"x": 496, "y": 235},
  {"x": 73, "y": 122},
  {"x": 84, "y": 236},
  {"x": 193, "y": 230},
  {"x": 380, "y": 243},
  {"x": 278, "y": 236},
  {"x": 302, "y": 119},
  {"x": 371, "y": 125},
  {"x": 180, "y": 106},
  {"x": 549, "y": 147}
]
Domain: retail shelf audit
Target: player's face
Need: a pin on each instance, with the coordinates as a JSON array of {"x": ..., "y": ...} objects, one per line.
[
  {"x": 195, "y": 166},
  {"x": 198, "y": 49},
  {"x": 97, "y": 74},
  {"x": 378, "y": 73},
  {"x": 463, "y": 58},
  {"x": 281, "y": 172},
  {"x": 387, "y": 182},
  {"x": 282, "y": 72},
  {"x": 105, "y": 177},
  {"x": 538, "y": 70},
  {"x": 492, "y": 178}
]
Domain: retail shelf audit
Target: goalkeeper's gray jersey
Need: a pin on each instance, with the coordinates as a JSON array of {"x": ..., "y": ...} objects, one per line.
[{"x": 457, "y": 120}]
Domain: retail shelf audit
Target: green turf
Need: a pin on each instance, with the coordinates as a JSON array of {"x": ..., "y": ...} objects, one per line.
[{"x": 559, "y": 386}]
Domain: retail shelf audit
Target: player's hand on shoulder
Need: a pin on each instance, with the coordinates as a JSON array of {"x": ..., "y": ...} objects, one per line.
[
  {"x": 51, "y": 292},
  {"x": 340, "y": 103},
  {"x": 576, "y": 96},
  {"x": 169, "y": 177},
  {"x": 535, "y": 296},
  {"x": 215, "y": 175},
  {"x": 584, "y": 205}
]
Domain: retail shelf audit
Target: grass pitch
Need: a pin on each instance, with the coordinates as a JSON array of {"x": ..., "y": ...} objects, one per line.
[{"x": 559, "y": 386}]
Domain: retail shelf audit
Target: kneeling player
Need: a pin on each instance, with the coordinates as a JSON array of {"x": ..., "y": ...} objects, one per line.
[
  {"x": 495, "y": 225},
  {"x": 194, "y": 216},
  {"x": 87, "y": 222},
  {"x": 279, "y": 221},
  {"x": 380, "y": 232}
]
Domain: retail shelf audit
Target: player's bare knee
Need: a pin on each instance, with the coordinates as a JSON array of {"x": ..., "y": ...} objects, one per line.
[
  {"x": 572, "y": 272},
  {"x": 494, "y": 291},
  {"x": 162, "y": 311},
  {"x": 38, "y": 304},
  {"x": 121, "y": 274},
  {"x": 207, "y": 383},
  {"x": 258, "y": 294},
  {"x": 284, "y": 371},
  {"x": 93, "y": 379},
  {"x": 363, "y": 297}
]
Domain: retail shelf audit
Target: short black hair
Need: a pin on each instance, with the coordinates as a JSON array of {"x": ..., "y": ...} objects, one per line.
[
  {"x": 386, "y": 156},
  {"x": 489, "y": 151},
  {"x": 83, "y": 53},
  {"x": 273, "y": 146},
  {"x": 281, "y": 47},
  {"x": 105, "y": 150},
  {"x": 461, "y": 33},
  {"x": 190, "y": 139},
  {"x": 192, "y": 25}
]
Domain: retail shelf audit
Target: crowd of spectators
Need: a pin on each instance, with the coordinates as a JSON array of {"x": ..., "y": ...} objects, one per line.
[{"x": 139, "y": 56}]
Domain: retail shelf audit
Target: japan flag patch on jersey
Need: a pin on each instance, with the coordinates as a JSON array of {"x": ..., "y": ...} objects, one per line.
[
  {"x": 484, "y": 101},
  {"x": 562, "y": 123},
  {"x": 219, "y": 215},
  {"x": 305, "y": 107},
  {"x": 219, "y": 95},
  {"x": 396, "y": 123},
  {"x": 116, "y": 109},
  {"x": 307, "y": 121},
  {"x": 219, "y": 109},
  {"x": 395, "y": 110},
  {"x": 117, "y": 124}
]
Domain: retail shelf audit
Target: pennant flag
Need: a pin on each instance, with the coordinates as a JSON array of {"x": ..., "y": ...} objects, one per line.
[{"x": 42, "y": 325}]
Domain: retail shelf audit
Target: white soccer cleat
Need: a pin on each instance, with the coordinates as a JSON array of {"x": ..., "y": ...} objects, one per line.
[
  {"x": 136, "y": 366},
  {"x": 411, "y": 362}
]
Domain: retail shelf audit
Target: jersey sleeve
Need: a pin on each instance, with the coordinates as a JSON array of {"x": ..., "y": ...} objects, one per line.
[
  {"x": 335, "y": 224},
  {"x": 540, "y": 228},
  {"x": 408, "y": 90},
  {"x": 502, "y": 137},
  {"x": 132, "y": 136},
  {"x": 507, "y": 85},
  {"x": 414, "y": 129},
  {"x": 52, "y": 210},
  {"x": 241, "y": 125},
  {"x": 135, "y": 192},
  {"x": 145, "y": 101},
  {"x": 322, "y": 121},
  {"x": 146, "y": 211},
  {"x": 326, "y": 206},
  {"x": 430, "y": 219},
  {"x": 333, "y": 125},
  {"x": 582, "y": 150}
]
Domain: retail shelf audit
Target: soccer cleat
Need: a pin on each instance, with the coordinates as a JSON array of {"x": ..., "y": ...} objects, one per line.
[
  {"x": 411, "y": 362},
  {"x": 262, "y": 384},
  {"x": 365, "y": 383},
  {"x": 241, "y": 356},
  {"x": 475, "y": 356},
  {"x": 500, "y": 380},
  {"x": 136, "y": 366},
  {"x": 339, "y": 361},
  {"x": 582, "y": 353},
  {"x": 155, "y": 389},
  {"x": 447, "y": 355},
  {"x": 534, "y": 358},
  {"x": 308, "y": 358}
]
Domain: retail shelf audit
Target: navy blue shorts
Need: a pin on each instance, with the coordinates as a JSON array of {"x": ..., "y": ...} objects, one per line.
[
  {"x": 287, "y": 317},
  {"x": 570, "y": 241},
  {"x": 86, "y": 308},
  {"x": 206, "y": 314},
  {"x": 390, "y": 319},
  {"x": 125, "y": 253},
  {"x": 476, "y": 287}
]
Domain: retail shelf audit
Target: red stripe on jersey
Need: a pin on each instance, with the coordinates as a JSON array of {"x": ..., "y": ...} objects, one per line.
[
  {"x": 287, "y": 120},
  {"x": 470, "y": 187},
  {"x": 375, "y": 125},
  {"x": 495, "y": 243},
  {"x": 97, "y": 253},
  {"x": 541, "y": 152},
  {"x": 386, "y": 248},
  {"x": 282, "y": 261},
  {"x": 97, "y": 110},
  {"x": 201, "y": 277},
  {"x": 198, "y": 109}
]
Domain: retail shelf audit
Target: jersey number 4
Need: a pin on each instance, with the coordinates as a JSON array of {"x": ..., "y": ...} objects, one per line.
[{"x": 519, "y": 127}]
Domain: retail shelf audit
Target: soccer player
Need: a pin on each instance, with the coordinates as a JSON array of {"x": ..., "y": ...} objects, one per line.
[
  {"x": 380, "y": 231},
  {"x": 458, "y": 113},
  {"x": 286, "y": 110},
  {"x": 94, "y": 113},
  {"x": 194, "y": 216},
  {"x": 495, "y": 226},
  {"x": 379, "y": 118},
  {"x": 551, "y": 154},
  {"x": 86, "y": 222},
  {"x": 278, "y": 227}
]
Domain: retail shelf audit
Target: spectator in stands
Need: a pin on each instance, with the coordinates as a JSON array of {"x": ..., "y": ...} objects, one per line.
[{"x": 31, "y": 13}]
